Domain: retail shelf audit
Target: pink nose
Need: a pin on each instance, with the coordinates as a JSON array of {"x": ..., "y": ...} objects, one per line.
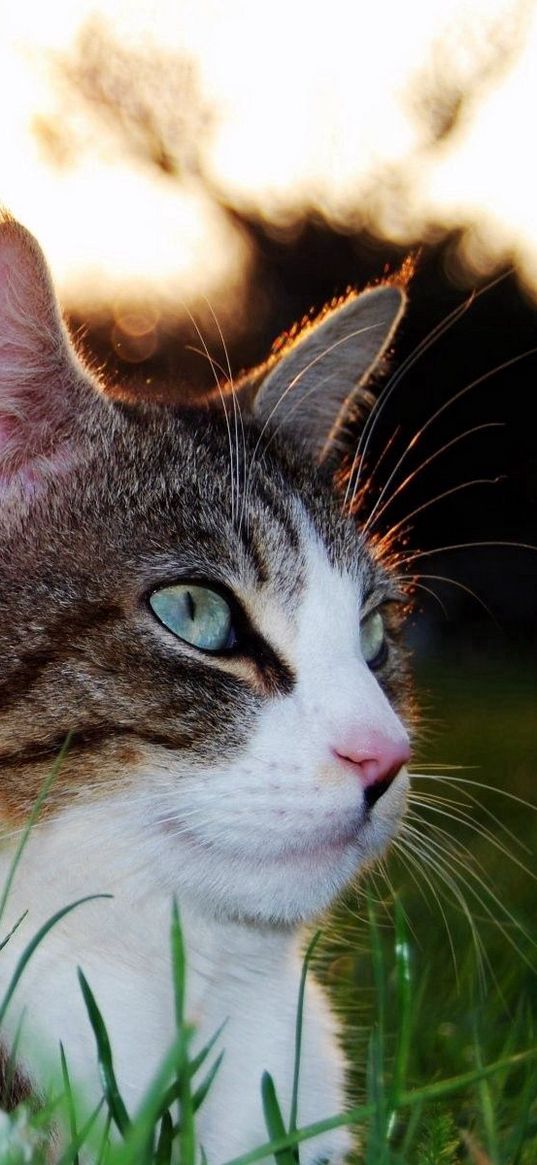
[{"x": 377, "y": 759}]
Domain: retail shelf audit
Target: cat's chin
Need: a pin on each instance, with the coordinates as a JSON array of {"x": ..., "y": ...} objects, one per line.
[
  {"x": 287, "y": 882},
  {"x": 308, "y": 888},
  {"x": 258, "y": 898}
]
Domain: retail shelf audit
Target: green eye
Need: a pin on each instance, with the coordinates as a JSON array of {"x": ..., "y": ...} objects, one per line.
[
  {"x": 373, "y": 640},
  {"x": 196, "y": 614}
]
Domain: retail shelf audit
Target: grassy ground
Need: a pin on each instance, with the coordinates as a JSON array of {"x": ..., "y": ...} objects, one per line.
[{"x": 432, "y": 968}]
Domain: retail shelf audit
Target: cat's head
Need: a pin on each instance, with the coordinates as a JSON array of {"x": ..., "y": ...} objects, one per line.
[{"x": 181, "y": 590}]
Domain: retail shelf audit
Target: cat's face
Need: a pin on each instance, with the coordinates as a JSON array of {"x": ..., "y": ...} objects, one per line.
[{"x": 211, "y": 628}]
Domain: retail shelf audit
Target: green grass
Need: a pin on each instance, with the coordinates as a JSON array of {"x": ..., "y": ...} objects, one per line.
[
  {"x": 443, "y": 1052},
  {"x": 435, "y": 1011}
]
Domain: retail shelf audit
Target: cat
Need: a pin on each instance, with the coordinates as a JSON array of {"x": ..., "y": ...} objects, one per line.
[{"x": 184, "y": 592}]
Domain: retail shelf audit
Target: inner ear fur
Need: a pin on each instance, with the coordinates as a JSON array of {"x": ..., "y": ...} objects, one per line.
[
  {"x": 314, "y": 385},
  {"x": 33, "y": 338},
  {"x": 43, "y": 386}
]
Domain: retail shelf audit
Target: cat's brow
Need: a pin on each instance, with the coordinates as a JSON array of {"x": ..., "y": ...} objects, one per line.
[{"x": 255, "y": 554}]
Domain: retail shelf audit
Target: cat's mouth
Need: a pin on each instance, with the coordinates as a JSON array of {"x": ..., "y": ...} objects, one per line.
[
  {"x": 373, "y": 793},
  {"x": 303, "y": 850},
  {"x": 357, "y": 834}
]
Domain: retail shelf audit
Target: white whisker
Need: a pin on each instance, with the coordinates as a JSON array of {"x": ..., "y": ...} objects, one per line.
[
  {"x": 237, "y": 411},
  {"x": 446, "y": 405},
  {"x": 424, "y": 465},
  {"x": 412, "y": 555},
  {"x": 428, "y": 590},
  {"x": 455, "y": 583},
  {"x": 391, "y": 385},
  {"x": 433, "y": 336},
  {"x": 467, "y": 820},
  {"x": 441, "y": 799},
  {"x": 224, "y": 406},
  {"x": 407, "y": 857},
  {"x": 477, "y": 785},
  {"x": 503, "y": 915},
  {"x": 437, "y": 498},
  {"x": 423, "y": 861}
]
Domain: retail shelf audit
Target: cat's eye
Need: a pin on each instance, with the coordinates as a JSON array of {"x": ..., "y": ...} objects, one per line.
[
  {"x": 373, "y": 640},
  {"x": 195, "y": 614}
]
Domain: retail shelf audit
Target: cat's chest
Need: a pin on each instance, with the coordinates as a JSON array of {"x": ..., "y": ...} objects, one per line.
[
  {"x": 242, "y": 980},
  {"x": 256, "y": 1016}
]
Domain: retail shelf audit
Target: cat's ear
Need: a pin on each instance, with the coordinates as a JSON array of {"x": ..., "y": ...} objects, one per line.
[
  {"x": 311, "y": 390},
  {"x": 40, "y": 375}
]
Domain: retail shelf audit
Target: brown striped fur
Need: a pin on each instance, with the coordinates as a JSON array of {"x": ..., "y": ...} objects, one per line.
[{"x": 101, "y": 501}]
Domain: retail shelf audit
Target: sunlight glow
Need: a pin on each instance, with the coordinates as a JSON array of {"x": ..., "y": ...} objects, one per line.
[{"x": 335, "y": 112}]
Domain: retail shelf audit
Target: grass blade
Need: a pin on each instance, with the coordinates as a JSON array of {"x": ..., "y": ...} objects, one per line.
[
  {"x": 70, "y": 1104},
  {"x": 174, "y": 1091},
  {"x": 377, "y": 958},
  {"x": 150, "y": 1113},
  {"x": 199, "y": 1059},
  {"x": 178, "y": 967},
  {"x": 13, "y": 929},
  {"x": 376, "y": 1134},
  {"x": 298, "y": 1029},
  {"x": 42, "y": 796},
  {"x": 163, "y": 1153},
  {"x": 187, "y": 1133},
  {"x": 105, "y": 1140},
  {"x": 404, "y": 1011},
  {"x": 356, "y": 1116},
  {"x": 112, "y": 1094},
  {"x": 35, "y": 942},
  {"x": 522, "y": 1129},
  {"x": 376, "y": 1092},
  {"x": 203, "y": 1088},
  {"x": 274, "y": 1120},
  {"x": 486, "y": 1103},
  {"x": 70, "y": 1156}
]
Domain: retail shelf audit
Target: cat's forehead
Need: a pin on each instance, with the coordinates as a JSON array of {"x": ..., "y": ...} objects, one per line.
[
  {"x": 250, "y": 512},
  {"x": 159, "y": 497}
]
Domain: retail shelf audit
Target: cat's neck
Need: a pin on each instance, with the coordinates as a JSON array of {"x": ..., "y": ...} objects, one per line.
[
  {"x": 111, "y": 857},
  {"x": 123, "y": 945}
]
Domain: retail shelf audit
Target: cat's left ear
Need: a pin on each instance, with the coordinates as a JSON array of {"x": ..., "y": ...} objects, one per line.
[
  {"x": 42, "y": 384},
  {"x": 313, "y": 388}
]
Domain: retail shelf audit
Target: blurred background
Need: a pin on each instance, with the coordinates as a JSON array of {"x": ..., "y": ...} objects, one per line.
[{"x": 187, "y": 157}]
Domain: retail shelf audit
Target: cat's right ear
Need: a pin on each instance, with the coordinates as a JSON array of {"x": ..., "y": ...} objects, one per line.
[
  {"x": 312, "y": 387},
  {"x": 40, "y": 376}
]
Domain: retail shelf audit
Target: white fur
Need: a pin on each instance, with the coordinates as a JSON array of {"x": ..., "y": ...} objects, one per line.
[{"x": 250, "y": 848}]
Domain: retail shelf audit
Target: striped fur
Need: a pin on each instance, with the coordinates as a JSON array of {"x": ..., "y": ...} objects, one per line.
[{"x": 206, "y": 776}]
